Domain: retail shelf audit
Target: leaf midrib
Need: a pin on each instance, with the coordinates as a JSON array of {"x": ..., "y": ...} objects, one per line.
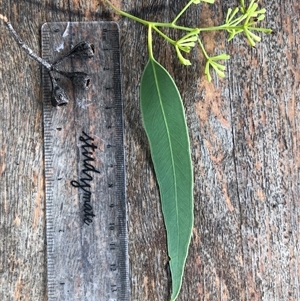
[{"x": 171, "y": 148}]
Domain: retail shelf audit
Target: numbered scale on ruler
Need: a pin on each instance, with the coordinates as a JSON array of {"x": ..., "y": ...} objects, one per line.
[{"x": 86, "y": 229}]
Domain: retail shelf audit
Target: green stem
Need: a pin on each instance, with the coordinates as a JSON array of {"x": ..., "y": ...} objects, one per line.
[
  {"x": 237, "y": 28},
  {"x": 182, "y": 11},
  {"x": 203, "y": 49},
  {"x": 148, "y": 23},
  {"x": 150, "y": 50},
  {"x": 164, "y": 35},
  {"x": 215, "y": 28},
  {"x": 122, "y": 13},
  {"x": 171, "y": 25},
  {"x": 265, "y": 30}
]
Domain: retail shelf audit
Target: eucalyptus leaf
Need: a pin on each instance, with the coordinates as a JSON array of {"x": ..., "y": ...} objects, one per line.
[{"x": 165, "y": 125}]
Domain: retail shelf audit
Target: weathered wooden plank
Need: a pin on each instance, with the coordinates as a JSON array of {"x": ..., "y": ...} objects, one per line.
[{"x": 245, "y": 138}]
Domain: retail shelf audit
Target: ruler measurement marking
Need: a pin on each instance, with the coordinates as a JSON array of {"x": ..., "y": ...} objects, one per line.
[{"x": 48, "y": 173}]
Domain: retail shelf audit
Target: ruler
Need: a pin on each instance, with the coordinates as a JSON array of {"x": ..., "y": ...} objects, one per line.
[{"x": 86, "y": 222}]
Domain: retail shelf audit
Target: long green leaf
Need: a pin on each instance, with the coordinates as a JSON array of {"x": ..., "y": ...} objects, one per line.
[{"x": 165, "y": 125}]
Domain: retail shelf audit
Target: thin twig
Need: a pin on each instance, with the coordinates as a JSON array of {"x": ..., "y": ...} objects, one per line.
[{"x": 19, "y": 41}]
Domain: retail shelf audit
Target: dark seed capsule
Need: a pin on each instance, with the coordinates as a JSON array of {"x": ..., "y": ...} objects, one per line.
[
  {"x": 79, "y": 79},
  {"x": 83, "y": 49},
  {"x": 59, "y": 96}
]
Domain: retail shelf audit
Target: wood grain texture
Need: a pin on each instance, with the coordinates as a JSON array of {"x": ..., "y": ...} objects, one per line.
[{"x": 245, "y": 140}]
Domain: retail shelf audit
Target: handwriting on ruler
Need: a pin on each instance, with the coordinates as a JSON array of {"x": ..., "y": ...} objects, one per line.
[{"x": 88, "y": 148}]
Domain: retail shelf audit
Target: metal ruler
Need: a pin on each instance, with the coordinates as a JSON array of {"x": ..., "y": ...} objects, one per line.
[{"x": 86, "y": 223}]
